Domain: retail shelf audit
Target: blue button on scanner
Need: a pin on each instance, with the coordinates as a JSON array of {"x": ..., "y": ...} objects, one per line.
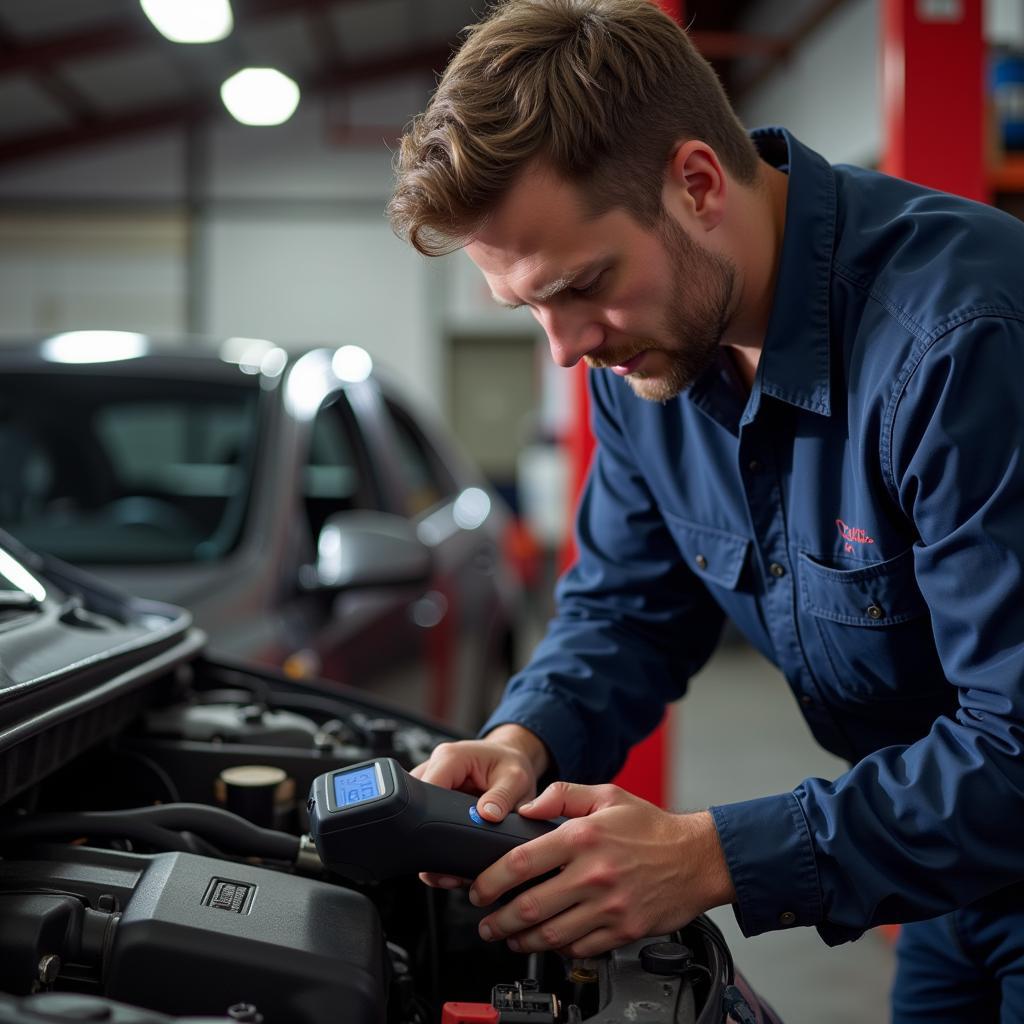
[{"x": 474, "y": 816}]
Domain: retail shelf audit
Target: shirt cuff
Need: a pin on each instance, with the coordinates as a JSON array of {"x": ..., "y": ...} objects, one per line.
[
  {"x": 770, "y": 856},
  {"x": 543, "y": 711}
]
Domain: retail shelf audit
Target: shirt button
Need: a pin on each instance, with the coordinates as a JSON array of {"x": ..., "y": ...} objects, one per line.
[
  {"x": 807, "y": 700},
  {"x": 874, "y": 612},
  {"x": 754, "y": 466},
  {"x": 778, "y": 571},
  {"x": 702, "y": 562},
  {"x": 786, "y": 918}
]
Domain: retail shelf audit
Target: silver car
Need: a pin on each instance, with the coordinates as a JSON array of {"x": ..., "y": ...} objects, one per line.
[{"x": 295, "y": 504}]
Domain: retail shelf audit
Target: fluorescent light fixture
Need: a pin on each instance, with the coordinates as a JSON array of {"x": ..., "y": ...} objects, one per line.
[
  {"x": 352, "y": 364},
  {"x": 260, "y": 96},
  {"x": 94, "y": 347},
  {"x": 190, "y": 21}
]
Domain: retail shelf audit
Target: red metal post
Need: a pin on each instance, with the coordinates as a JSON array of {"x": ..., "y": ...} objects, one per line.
[
  {"x": 646, "y": 770},
  {"x": 933, "y": 94},
  {"x": 933, "y": 104}
]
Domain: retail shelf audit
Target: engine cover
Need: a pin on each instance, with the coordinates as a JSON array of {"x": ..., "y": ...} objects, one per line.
[{"x": 198, "y": 935}]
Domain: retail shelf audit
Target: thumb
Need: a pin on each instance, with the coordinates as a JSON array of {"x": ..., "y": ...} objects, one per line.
[
  {"x": 566, "y": 799},
  {"x": 495, "y": 803},
  {"x": 500, "y": 798}
]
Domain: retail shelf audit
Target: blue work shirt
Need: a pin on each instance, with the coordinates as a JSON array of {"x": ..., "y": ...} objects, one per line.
[{"x": 860, "y": 517}]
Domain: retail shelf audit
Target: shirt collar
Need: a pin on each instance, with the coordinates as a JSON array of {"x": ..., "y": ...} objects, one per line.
[{"x": 794, "y": 364}]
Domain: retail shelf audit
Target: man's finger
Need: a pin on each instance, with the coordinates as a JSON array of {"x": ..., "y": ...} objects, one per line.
[
  {"x": 443, "y": 770},
  {"x": 495, "y": 803},
  {"x": 560, "y": 931},
  {"x": 569, "y": 800},
  {"x": 537, "y": 857},
  {"x": 531, "y": 907}
]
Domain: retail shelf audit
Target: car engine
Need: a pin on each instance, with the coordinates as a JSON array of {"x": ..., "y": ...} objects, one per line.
[{"x": 159, "y": 874}]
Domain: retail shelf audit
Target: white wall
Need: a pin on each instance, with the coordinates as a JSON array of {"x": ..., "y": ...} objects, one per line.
[
  {"x": 59, "y": 272},
  {"x": 327, "y": 280},
  {"x": 288, "y": 233},
  {"x": 828, "y": 94}
]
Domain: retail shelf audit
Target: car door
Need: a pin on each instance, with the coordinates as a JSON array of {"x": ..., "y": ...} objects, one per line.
[
  {"x": 365, "y": 637},
  {"x": 460, "y": 616}
]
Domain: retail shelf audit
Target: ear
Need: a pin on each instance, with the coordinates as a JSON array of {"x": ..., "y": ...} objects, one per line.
[{"x": 696, "y": 185}]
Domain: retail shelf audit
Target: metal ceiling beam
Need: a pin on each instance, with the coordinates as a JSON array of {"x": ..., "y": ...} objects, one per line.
[
  {"x": 65, "y": 95},
  {"x": 177, "y": 115},
  {"x": 716, "y": 45},
  {"x": 124, "y": 34},
  {"x": 815, "y": 18}
]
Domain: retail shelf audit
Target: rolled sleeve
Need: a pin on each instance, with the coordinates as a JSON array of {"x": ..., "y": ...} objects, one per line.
[
  {"x": 548, "y": 715},
  {"x": 770, "y": 855}
]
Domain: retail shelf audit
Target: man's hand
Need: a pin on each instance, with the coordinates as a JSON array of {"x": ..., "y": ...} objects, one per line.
[
  {"x": 628, "y": 869},
  {"x": 503, "y": 767}
]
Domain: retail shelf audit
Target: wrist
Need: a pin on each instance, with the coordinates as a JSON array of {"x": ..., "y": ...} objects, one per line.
[
  {"x": 718, "y": 886},
  {"x": 529, "y": 744}
]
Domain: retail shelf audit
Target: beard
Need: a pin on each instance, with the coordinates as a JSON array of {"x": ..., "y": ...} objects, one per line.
[{"x": 703, "y": 284}]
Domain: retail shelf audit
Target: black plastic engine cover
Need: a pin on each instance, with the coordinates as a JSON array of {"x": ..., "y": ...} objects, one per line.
[{"x": 199, "y": 935}]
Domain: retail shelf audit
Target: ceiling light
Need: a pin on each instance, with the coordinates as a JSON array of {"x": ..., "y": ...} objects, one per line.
[
  {"x": 190, "y": 21},
  {"x": 260, "y": 96}
]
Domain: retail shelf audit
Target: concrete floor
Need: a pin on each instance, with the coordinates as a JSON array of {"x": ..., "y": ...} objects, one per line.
[{"x": 738, "y": 734}]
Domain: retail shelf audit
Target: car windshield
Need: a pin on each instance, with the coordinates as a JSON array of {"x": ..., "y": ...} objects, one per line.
[{"x": 116, "y": 470}]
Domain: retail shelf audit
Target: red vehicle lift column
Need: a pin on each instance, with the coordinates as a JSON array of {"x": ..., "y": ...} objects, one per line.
[
  {"x": 933, "y": 103},
  {"x": 645, "y": 772},
  {"x": 933, "y": 94}
]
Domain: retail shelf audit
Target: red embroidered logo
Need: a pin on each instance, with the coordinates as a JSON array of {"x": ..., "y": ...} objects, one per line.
[{"x": 852, "y": 535}]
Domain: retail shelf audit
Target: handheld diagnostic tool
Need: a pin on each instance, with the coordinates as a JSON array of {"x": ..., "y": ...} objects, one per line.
[{"x": 372, "y": 821}]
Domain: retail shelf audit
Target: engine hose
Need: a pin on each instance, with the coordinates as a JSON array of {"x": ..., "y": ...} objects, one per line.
[
  {"x": 159, "y": 826},
  {"x": 42, "y": 827}
]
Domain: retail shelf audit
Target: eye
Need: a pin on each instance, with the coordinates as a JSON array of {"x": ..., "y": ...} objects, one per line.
[{"x": 590, "y": 288}]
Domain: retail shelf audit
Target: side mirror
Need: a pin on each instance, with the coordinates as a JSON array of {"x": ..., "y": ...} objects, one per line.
[{"x": 368, "y": 549}]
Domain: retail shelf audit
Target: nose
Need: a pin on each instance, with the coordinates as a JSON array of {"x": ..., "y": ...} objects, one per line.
[{"x": 571, "y": 334}]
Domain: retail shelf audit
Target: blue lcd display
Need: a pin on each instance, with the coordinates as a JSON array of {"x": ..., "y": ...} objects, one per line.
[{"x": 356, "y": 786}]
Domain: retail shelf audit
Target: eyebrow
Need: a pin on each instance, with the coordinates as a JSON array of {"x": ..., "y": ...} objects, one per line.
[{"x": 553, "y": 288}]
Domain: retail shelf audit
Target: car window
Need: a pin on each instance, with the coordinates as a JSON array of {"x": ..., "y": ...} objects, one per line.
[
  {"x": 338, "y": 474},
  {"x": 424, "y": 475},
  {"x": 129, "y": 470}
]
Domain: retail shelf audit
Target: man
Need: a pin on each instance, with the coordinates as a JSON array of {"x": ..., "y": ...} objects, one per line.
[{"x": 829, "y": 451}]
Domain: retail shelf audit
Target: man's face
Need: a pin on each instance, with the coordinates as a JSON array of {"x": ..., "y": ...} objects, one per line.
[{"x": 650, "y": 304}]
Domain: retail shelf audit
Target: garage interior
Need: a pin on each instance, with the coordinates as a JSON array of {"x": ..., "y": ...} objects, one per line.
[{"x": 131, "y": 201}]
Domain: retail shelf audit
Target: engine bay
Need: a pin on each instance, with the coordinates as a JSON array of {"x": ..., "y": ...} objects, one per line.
[{"x": 161, "y": 874}]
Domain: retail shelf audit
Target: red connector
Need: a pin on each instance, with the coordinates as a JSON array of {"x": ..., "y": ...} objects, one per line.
[{"x": 468, "y": 1013}]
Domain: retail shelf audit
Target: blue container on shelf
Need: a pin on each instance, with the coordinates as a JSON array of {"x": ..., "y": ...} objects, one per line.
[{"x": 1008, "y": 97}]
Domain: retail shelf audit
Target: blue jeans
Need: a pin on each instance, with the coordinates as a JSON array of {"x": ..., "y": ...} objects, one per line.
[{"x": 966, "y": 967}]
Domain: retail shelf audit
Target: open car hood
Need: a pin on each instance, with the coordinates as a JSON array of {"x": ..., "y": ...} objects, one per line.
[{"x": 74, "y": 656}]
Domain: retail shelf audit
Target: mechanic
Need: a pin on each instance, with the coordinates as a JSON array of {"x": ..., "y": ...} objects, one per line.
[{"x": 830, "y": 453}]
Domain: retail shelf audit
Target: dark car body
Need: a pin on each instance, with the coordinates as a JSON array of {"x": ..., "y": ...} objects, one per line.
[
  {"x": 128, "y": 894},
  {"x": 204, "y": 473}
]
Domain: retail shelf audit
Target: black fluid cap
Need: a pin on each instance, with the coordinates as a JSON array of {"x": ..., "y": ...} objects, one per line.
[{"x": 666, "y": 958}]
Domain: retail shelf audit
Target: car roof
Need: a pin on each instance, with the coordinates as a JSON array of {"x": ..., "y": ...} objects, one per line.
[{"x": 137, "y": 355}]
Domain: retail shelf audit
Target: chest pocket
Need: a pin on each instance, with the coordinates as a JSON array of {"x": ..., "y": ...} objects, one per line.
[
  {"x": 714, "y": 555},
  {"x": 873, "y": 627}
]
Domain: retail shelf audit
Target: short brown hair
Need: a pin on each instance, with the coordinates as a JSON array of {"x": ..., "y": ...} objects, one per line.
[{"x": 599, "y": 90}]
